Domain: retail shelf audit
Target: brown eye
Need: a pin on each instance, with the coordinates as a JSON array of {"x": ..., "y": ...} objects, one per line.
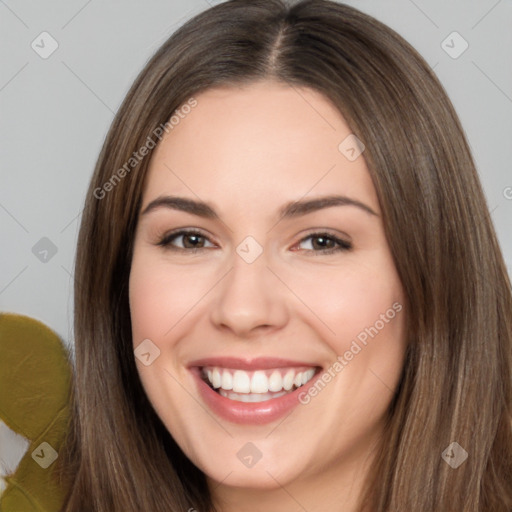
[
  {"x": 190, "y": 240},
  {"x": 325, "y": 243}
]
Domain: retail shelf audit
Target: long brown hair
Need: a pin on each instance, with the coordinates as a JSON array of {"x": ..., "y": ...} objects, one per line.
[{"x": 456, "y": 384}]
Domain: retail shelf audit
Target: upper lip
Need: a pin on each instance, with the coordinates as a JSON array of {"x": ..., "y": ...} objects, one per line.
[{"x": 258, "y": 363}]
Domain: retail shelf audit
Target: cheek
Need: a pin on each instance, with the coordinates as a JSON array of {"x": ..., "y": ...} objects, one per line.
[
  {"x": 353, "y": 303},
  {"x": 146, "y": 304},
  {"x": 360, "y": 317},
  {"x": 159, "y": 298}
]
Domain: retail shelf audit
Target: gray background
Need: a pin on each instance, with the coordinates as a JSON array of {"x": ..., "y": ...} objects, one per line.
[{"x": 55, "y": 113}]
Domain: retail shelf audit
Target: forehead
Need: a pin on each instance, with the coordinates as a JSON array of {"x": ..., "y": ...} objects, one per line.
[{"x": 241, "y": 143}]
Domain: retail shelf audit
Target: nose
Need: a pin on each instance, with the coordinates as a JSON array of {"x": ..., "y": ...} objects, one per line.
[{"x": 250, "y": 300}]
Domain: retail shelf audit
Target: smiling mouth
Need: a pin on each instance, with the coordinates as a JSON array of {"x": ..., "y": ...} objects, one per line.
[{"x": 258, "y": 385}]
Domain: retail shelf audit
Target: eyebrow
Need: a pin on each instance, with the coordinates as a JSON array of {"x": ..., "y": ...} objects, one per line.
[{"x": 292, "y": 209}]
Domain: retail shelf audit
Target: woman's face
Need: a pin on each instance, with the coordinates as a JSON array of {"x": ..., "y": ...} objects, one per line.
[{"x": 273, "y": 288}]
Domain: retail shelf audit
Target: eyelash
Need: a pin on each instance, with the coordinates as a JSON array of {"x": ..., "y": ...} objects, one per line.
[{"x": 165, "y": 242}]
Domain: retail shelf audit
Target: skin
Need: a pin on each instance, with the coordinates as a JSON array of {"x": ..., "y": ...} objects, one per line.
[{"x": 247, "y": 151}]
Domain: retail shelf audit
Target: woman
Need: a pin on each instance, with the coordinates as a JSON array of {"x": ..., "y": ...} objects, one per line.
[{"x": 289, "y": 292}]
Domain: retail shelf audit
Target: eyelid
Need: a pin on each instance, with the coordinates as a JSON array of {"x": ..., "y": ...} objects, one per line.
[
  {"x": 342, "y": 244},
  {"x": 165, "y": 240}
]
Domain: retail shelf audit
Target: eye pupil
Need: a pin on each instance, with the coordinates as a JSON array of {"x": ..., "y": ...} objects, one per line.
[
  {"x": 190, "y": 237},
  {"x": 324, "y": 242}
]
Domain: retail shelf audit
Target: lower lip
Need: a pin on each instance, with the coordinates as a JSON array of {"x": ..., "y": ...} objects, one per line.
[{"x": 249, "y": 413}]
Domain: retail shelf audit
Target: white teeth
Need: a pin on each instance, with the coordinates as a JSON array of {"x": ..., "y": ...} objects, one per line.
[
  {"x": 216, "y": 379},
  {"x": 288, "y": 380},
  {"x": 249, "y": 397},
  {"x": 259, "y": 383},
  {"x": 307, "y": 376},
  {"x": 241, "y": 382},
  {"x": 227, "y": 380},
  {"x": 275, "y": 382}
]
